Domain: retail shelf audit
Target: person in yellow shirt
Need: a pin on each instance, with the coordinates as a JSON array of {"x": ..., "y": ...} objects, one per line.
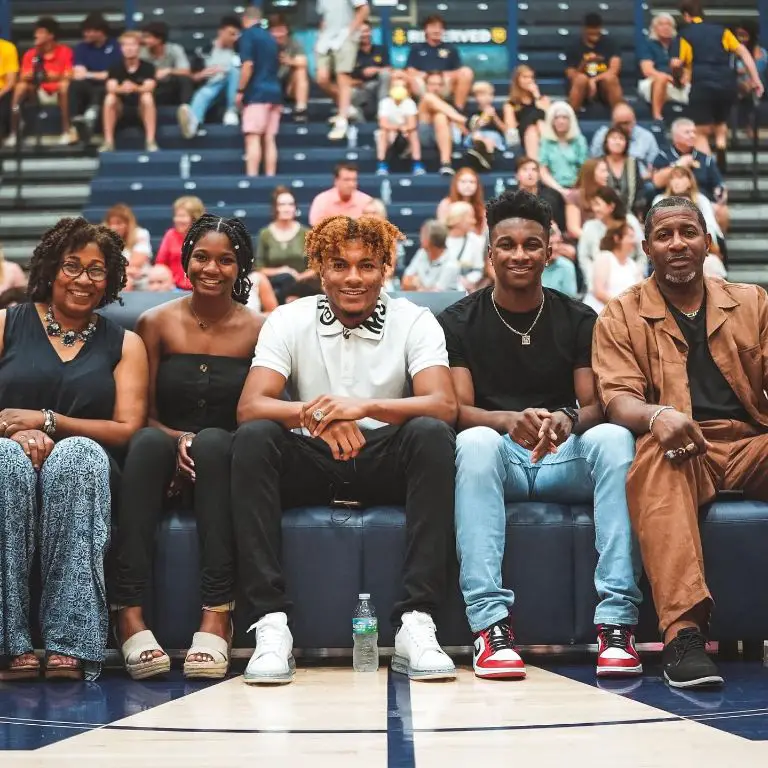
[{"x": 9, "y": 73}]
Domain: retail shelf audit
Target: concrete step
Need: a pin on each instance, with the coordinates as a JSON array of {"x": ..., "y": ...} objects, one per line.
[
  {"x": 19, "y": 251},
  {"x": 29, "y": 224}
]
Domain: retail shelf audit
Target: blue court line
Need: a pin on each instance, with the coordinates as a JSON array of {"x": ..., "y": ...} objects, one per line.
[{"x": 400, "y": 752}]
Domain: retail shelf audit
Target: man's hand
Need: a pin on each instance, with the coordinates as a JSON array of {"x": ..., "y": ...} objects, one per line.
[
  {"x": 36, "y": 444},
  {"x": 334, "y": 408},
  {"x": 758, "y": 88},
  {"x": 79, "y": 72},
  {"x": 161, "y": 74},
  {"x": 676, "y": 431},
  {"x": 562, "y": 426},
  {"x": 371, "y": 71},
  {"x": 524, "y": 427},
  {"x": 592, "y": 87},
  {"x": 344, "y": 438},
  {"x": 239, "y": 101},
  {"x": 13, "y": 420},
  {"x": 128, "y": 87}
]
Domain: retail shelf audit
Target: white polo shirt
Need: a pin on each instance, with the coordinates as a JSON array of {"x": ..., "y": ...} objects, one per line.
[{"x": 305, "y": 342}]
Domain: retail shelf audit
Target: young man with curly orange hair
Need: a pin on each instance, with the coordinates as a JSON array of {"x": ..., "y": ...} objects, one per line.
[{"x": 372, "y": 397}]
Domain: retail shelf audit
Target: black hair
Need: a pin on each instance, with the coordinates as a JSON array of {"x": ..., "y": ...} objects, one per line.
[
  {"x": 519, "y": 204},
  {"x": 49, "y": 24},
  {"x": 752, "y": 28},
  {"x": 68, "y": 236},
  {"x": 158, "y": 29},
  {"x": 610, "y": 196},
  {"x": 242, "y": 244},
  {"x": 593, "y": 21},
  {"x": 344, "y": 166},
  {"x": 230, "y": 21},
  {"x": 96, "y": 22},
  {"x": 692, "y": 8},
  {"x": 13, "y": 296},
  {"x": 673, "y": 202},
  {"x": 309, "y": 286},
  {"x": 615, "y": 130}
]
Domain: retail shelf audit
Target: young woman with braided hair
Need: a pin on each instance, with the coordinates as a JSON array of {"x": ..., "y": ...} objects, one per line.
[
  {"x": 72, "y": 386},
  {"x": 370, "y": 387},
  {"x": 200, "y": 349}
]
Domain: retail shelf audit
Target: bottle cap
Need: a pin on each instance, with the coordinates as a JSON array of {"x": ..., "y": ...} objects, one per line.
[{"x": 364, "y": 596}]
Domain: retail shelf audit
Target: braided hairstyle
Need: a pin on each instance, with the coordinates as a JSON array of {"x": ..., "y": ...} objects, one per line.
[
  {"x": 327, "y": 237},
  {"x": 239, "y": 237},
  {"x": 70, "y": 235}
]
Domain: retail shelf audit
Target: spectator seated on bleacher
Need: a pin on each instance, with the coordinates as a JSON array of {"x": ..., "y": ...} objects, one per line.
[
  {"x": 11, "y": 274},
  {"x": 398, "y": 127},
  {"x": 748, "y": 34},
  {"x": 94, "y": 57},
  {"x": 525, "y": 111},
  {"x": 433, "y": 267},
  {"x": 433, "y": 55},
  {"x": 466, "y": 187},
  {"x": 186, "y": 211},
  {"x": 293, "y": 73},
  {"x": 642, "y": 142},
  {"x": 625, "y": 173},
  {"x": 173, "y": 73},
  {"x": 220, "y": 75},
  {"x": 9, "y": 75},
  {"x": 138, "y": 247},
  {"x": 659, "y": 84},
  {"x": 440, "y": 125},
  {"x": 46, "y": 71},
  {"x": 130, "y": 94},
  {"x": 336, "y": 51},
  {"x": 615, "y": 269},
  {"x": 378, "y": 210},
  {"x": 342, "y": 199},
  {"x": 608, "y": 212},
  {"x": 682, "y": 152},
  {"x": 560, "y": 271},
  {"x": 262, "y": 297},
  {"x": 593, "y": 66},
  {"x": 578, "y": 201},
  {"x": 529, "y": 179},
  {"x": 563, "y": 148},
  {"x": 682, "y": 183},
  {"x": 464, "y": 243},
  {"x": 159, "y": 279},
  {"x": 370, "y": 77},
  {"x": 486, "y": 128}
]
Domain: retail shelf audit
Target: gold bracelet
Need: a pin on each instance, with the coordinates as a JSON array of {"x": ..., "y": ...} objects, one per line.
[{"x": 656, "y": 414}]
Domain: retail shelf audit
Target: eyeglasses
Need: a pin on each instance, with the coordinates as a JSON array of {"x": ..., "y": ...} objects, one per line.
[{"x": 74, "y": 269}]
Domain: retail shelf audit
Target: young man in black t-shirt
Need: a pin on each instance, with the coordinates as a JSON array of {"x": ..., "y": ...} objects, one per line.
[
  {"x": 533, "y": 429},
  {"x": 130, "y": 92},
  {"x": 593, "y": 66}
]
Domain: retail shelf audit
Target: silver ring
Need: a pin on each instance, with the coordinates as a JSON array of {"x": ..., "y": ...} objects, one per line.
[
  {"x": 188, "y": 443},
  {"x": 690, "y": 448},
  {"x": 671, "y": 454},
  {"x": 318, "y": 415},
  {"x": 32, "y": 441}
]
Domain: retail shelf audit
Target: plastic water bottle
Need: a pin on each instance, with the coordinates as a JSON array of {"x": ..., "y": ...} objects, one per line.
[
  {"x": 386, "y": 192},
  {"x": 352, "y": 137},
  {"x": 185, "y": 166},
  {"x": 365, "y": 634},
  {"x": 500, "y": 187}
]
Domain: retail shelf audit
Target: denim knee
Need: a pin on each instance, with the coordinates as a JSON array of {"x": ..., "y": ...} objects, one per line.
[
  {"x": 478, "y": 447},
  {"x": 615, "y": 445}
]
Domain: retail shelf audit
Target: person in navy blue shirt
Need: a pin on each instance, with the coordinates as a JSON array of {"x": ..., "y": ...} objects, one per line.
[
  {"x": 433, "y": 55},
  {"x": 259, "y": 94},
  {"x": 370, "y": 77},
  {"x": 94, "y": 57}
]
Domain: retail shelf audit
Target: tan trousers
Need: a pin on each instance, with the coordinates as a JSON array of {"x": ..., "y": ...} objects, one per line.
[{"x": 664, "y": 500}]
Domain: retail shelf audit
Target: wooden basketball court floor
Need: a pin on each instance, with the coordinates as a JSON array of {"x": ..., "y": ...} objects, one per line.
[{"x": 331, "y": 716}]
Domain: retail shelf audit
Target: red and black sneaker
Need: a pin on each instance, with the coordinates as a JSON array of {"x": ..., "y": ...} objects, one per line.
[
  {"x": 616, "y": 652},
  {"x": 495, "y": 655}
]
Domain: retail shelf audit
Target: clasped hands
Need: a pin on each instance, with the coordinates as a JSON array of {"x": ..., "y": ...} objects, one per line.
[
  {"x": 25, "y": 428},
  {"x": 333, "y": 419},
  {"x": 539, "y": 430}
]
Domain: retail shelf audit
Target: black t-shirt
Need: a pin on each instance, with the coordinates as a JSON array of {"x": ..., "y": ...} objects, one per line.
[
  {"x": 595, "y": 60},
  {"x": 145, "y": 71},
  {"x": 508, "y": 376},
  {"x": 711, "y": 395}
]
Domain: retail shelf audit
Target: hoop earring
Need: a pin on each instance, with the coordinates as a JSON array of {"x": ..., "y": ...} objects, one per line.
[{"x": 242, "y": 287}]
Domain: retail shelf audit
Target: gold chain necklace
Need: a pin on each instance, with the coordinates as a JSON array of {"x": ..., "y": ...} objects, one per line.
[
  {"x": 202, "y": 323},
  {"x": 525, "y": 336}
]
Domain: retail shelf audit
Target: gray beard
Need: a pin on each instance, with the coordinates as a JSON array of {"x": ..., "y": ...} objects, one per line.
[{"x": 680, "y": 279}]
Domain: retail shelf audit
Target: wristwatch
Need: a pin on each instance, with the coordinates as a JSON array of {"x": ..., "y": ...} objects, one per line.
[{"x": 571, "y": 413}]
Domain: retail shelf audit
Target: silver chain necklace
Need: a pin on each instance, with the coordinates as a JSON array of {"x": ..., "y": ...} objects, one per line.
[
  {"x": 692, "y": 315},
  {"x": 525, "y": 336}
]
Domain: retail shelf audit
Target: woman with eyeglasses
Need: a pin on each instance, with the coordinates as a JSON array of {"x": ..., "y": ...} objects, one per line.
[{"x": 73, "y": 386}]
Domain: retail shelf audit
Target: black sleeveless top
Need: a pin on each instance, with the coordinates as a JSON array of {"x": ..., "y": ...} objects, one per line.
[
  {"x": 194, "y": 392},
  {"x": 32, "y": 376}
]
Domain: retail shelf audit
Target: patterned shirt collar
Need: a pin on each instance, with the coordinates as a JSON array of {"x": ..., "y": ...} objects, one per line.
[{"x": 371, "y": 328}]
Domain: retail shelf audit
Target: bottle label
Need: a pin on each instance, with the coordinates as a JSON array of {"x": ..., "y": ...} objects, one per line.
[{"x": 366, "y": 626}]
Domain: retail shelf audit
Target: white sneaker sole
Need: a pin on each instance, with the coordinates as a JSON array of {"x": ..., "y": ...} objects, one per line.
[
  {"x": 278, "y": 679},
  {"x": 619, "y": 671},
  {"x": 401, "y": 666},
  {"x": 511, "y": 673},
  {"x": 700, "y": 682}
]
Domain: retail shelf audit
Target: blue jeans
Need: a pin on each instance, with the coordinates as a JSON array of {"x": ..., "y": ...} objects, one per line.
[
  {"x": 492, "y": 469},
  {"x": 205, "y": 96}
]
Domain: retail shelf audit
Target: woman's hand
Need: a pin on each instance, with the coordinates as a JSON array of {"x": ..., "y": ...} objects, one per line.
[
  {"x": 185, "y": 466},
  {"x": 13, "y": 420},
  {"x": 36, "y": 444}
]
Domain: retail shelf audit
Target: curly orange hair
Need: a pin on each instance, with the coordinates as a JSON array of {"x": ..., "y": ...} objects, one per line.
[{"x": 328, "y": 236}]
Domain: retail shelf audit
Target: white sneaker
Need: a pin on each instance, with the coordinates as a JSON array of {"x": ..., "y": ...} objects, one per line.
[
  {"x": 187, "y": 121},
  {"x": 91, "y": 114},
  {"x": 272, "y": 661},
  {"x": 10, "y": 141},
  {"x": 231, "y": 118},
  {"x": 339, "y": 130},
  {"x": 417, "y": 652}
]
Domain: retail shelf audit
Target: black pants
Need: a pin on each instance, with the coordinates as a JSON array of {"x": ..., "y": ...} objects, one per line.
[
  {"x": 84, "y": 94},
  {"x": 148, "y": 470},
  {"x": 173, "y": 90},
  {"x": 5, "y": 113},
  {"x": 275, "y": 469}
]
